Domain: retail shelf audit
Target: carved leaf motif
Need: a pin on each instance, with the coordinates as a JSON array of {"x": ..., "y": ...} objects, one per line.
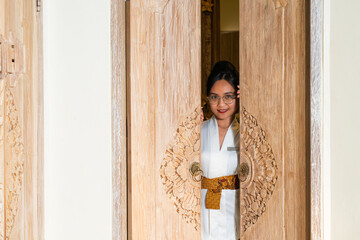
[
  {"x": 258, "y": 187},
  {"x": 207, "y": 5},
  {"x": 15, "y": 163},
  {"x": 174, "y": 170}
]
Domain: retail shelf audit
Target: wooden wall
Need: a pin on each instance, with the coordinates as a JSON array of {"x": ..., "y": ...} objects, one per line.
[{"x": 229, "y": 47}]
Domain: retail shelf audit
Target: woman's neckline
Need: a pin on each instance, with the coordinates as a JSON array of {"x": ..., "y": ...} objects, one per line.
[{"x": 220, "y": 148}]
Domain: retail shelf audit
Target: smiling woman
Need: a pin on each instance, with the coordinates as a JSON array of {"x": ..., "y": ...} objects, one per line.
[{"x": 220, "y": 157}]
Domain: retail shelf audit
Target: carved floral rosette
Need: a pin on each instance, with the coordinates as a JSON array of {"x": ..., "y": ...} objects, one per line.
[
  {"x": 258, "y": 187},
  {"x": 183, "y": 150}
]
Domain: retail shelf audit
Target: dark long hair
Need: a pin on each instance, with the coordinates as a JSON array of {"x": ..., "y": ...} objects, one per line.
[{"x": 223, "y": 70}]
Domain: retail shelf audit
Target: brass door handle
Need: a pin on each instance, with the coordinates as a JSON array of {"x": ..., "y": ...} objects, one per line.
[
  {"x": 196, "y": 173},
  {"x": 243, "y": 171}
]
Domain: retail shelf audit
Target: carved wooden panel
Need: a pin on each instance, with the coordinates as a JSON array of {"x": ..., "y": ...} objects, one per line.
[
  {"x": 274, "y": 85},
  {"x": 11, "y": 137},
  {"x": 20, "y": 121},
  {"x": 14, "y": 160},
  {"x": 164, "y": 88},
  {"x": 257, "y": 156},
  {"x": 184, "y": 150}
]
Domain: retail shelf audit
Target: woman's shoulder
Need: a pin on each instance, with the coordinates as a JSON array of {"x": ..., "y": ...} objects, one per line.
[{"x": 205, "y": 124}]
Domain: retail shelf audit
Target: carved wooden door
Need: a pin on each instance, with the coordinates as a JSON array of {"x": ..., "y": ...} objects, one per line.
[
  {"x": 164, "y": 132},
  {"x": 274, "y": 130},
  {"x": 164, "y": 126},
  {"x": 19, "y": 122}
]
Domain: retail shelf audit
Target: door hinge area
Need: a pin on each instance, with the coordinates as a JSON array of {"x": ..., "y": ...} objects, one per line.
[
  {"x": 11, "y": 57},
  {"x": 38, "y": 5}
]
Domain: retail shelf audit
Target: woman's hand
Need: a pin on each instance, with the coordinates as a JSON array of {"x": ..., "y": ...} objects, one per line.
[
  {"x": 202, "y": 116},
  {"x": 238, "y": 91}
]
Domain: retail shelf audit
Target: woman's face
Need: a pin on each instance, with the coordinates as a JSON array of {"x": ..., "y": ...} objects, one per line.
[{"x": 221, "y": 109}]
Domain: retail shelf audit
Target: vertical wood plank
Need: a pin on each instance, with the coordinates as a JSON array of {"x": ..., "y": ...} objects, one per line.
[
  {"x": 22, "y": 124},
  {"x": 177, "y": 96},
  {"x": 142, "y": 203},
  {"x": 33, "y": 128},
  {"x": 2, "y": 162},
  {"x": 119, "y": 146},
  {"x": 296, "y": 142},
  {"x": 2, "y": 157},
  {"x": 38, "y": 93},
  {"x": 165, "y": 88},
  {"x": 273, "y": 85},
  {"x": 261, "y": 85}
]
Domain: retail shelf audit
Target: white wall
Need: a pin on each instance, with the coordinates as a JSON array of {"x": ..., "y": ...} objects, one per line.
[
  {"x": 77, "y": 120},
  {"x": 344, "y": 76}
]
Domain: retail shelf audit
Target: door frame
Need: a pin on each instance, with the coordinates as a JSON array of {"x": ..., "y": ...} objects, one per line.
[
  {"x": 315, "y": 13},
  {"x": 118, "y": 120}
]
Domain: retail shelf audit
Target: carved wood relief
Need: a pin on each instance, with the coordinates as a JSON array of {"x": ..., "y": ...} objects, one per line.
[
  {"x": 14, "y": 160},
  {"x": 11, "y": 138},
  {"x": 258, "y": 186},
  {"x": 256, "y": 154},
  {"x": 207, "y": 5},
  {"x": 174, "y": 171}
]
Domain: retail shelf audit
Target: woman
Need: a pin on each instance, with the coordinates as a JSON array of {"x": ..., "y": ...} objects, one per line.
[{"x": 220, "y": 156}]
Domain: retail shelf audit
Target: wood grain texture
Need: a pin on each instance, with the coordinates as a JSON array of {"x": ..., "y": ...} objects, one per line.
[
  {"x": 22, "y": 122},
  {"x": 119, "y": 145},
  {"x": 38, "y": 94},
  {"x": 258, "y": 171},
  {"x": 316, "y": 76},
  {"x": 182, "y": 152},
  {"x": 2, "y": 163},
  {"x": 229, "y": 47},
  {"x": 273, "y": 89},
  {"x": 164, "y": 88},
  {"x": 206, "y": 46},
  {"x": 215, "y": 32}
]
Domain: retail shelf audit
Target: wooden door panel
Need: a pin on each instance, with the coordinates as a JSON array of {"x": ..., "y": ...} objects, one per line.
[
  {"x": 273, "y": 91},
  {"x": 20, "y": 128},
  {"x": 164, "y": 95}
]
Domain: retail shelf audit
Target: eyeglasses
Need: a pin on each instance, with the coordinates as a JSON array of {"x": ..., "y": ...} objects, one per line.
[{"x": 214, "y": 99}]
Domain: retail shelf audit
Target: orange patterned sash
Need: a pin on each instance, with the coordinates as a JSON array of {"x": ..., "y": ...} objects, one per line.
[{"x": 215, "y": 185}]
